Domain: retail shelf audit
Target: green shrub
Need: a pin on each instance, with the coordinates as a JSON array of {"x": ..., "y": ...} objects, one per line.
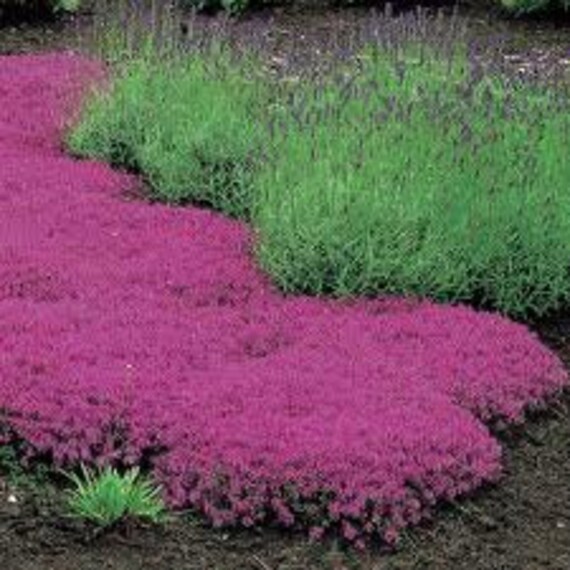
[
  {"x": 66, "y": 5},
  {"x": 106, "y": 497},
  {"x": 413, "y": 170},
  {"x": 418, "y": 177},
  {"x": 534, "y": 6},
  {"x": 184, "y": 115},
  {"x": 188, "y": 125}
]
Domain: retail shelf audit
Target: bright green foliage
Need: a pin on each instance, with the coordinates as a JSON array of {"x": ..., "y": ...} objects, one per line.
[
  {"x": 411, "y": 171},
  {"x": 106, "y": 497},
  {"x": 187, "y": 125},
  {"x": 416, "y": 177},
  {"x": 532, "y": 6},
  {"x": 66, "y": 5}
]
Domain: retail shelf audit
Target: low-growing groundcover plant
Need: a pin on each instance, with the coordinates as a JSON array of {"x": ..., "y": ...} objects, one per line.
[
  {"x": 414, "y": 170},
  {"x": 135, "y": 333},
  {"x": 107, "y": 497}
]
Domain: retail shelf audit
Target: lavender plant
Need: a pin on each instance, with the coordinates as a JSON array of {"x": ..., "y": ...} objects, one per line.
[
  {"x": 422, "y": 173},
  {"x": 414, "y": 168},
  {"x": 182, "y": 116}
]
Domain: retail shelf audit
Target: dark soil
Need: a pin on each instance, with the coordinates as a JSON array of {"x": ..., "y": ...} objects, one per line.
[{"x": 521, "y": 524}]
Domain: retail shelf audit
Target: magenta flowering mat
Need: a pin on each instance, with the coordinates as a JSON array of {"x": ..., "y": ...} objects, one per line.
[{"x": 131, "y": 331}]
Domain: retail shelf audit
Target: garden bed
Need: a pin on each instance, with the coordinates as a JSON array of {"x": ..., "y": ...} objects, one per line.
[{"x": 112, "y": 290}]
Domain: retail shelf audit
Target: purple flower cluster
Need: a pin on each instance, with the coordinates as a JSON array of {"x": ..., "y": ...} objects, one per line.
[{"x": 131, "y": 331}]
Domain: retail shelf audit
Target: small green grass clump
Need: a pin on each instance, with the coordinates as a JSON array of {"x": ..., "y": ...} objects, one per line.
[{"x": 106, "y": 497}]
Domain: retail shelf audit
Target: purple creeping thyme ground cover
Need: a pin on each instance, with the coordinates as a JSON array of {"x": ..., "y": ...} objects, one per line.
[{"x": 131, "y": 331}]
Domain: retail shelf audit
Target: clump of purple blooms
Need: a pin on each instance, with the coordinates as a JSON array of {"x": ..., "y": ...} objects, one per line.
[{"x": 131, "y": 332}]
